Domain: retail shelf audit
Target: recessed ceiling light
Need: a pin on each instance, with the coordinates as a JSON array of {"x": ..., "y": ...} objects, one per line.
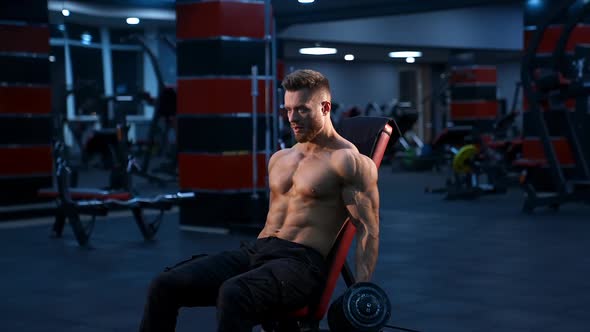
[
  {"x": 132, "y": 20},
  {"x": 405, "y": 54},
  {"x": 306, "y": 1},
  {"x": 534, "y": 3},
  {"x": 410, "y": 59},
  {"x": 318, "y": 50},
  {"x": 65, "y": 12},
  {"x": 349, "y": 57}
]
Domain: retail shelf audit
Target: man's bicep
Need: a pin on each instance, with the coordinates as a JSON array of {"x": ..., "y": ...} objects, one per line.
[
  {"x": 362, "y": 206},
  {"x": 360, "y": 194}
]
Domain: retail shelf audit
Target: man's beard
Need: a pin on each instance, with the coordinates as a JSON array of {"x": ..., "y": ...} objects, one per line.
[
  {"x": 301, "y": 138},
  {"x": 306, "y": 136}
]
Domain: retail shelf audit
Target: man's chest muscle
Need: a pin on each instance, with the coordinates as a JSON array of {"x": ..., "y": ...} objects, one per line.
[{"x": 310, "y": 177}]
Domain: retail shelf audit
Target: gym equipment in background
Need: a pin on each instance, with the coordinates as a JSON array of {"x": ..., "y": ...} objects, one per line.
[
  {"x": 164, "y": 111},
  {"x": 563, "y": 154},
  {"x": 412, "y": 152},
  {"x": 74, "y": 211},
  {"x": 74, "y": 204},
  {"x": 477, "y": 165}
]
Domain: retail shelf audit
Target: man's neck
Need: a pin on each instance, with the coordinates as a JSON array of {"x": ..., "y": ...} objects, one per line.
[{"x": 321, "y": 140}]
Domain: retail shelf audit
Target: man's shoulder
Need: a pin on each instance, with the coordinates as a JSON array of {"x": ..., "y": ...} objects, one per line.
[
  {"x": 350, "y": 163},
  {"x": 278, "y": 155},
  {"x": 346, "y": 153},
  {"x": 344, "y": 160},
  {"x": 282, "y": 152}
]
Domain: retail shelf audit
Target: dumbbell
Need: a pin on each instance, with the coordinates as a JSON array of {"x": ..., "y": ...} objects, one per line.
[{"x": 364, "y": 307}]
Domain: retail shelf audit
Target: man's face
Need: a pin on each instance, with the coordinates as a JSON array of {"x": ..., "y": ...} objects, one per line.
[{"x": 307, "y": 113}]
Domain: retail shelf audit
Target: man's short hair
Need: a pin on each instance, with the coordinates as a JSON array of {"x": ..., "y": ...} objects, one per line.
[{"x": 306, "y": 79}]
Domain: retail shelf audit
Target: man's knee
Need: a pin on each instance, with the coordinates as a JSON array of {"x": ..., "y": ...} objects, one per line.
[
  {"x": 233, "y": 295},
  {"x": 161, "y": 286}
]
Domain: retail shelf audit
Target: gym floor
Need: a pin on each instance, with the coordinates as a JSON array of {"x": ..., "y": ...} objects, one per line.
[{"x": 477, "y": 265}]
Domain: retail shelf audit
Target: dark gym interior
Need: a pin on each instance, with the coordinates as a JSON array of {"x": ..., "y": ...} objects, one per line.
[{"x": 135, "y": 134}]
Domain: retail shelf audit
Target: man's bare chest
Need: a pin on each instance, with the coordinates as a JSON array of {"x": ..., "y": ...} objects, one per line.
[{"x": 306, "y": 177}]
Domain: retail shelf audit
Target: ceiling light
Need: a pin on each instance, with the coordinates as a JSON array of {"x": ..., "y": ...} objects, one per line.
[
  {"x": 405, "y": 54},
  {"x": 306, "y": 1},
  {"x": 534, "y": 3},
  {"x": 65, "y": 12},
  {"x": 318, "y": 50},
  {"x": 349, "y": 57},
  {"x": 410, "y": 59},
  {"x": 132, "y": 20},
  {"x": 86, "y": 38}
]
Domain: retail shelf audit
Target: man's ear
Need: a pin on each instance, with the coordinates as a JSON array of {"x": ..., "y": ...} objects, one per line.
[{"x": 326, "y": 107}]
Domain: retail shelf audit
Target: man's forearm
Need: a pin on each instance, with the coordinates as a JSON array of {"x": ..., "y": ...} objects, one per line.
[{"x": 367, "y": 250}]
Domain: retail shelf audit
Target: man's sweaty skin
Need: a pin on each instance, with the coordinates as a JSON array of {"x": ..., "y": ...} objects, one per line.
[{"x": 320, "y": 181}]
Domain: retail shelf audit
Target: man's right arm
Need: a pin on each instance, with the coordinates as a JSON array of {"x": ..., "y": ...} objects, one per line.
[{"x": 361, "y": 197}]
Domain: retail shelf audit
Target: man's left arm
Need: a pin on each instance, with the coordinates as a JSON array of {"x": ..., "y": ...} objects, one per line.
[{"x": 361, "y": 196}]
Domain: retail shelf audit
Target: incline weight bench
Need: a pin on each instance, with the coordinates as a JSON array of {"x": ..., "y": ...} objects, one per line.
[{"x": 371, "y": 135}]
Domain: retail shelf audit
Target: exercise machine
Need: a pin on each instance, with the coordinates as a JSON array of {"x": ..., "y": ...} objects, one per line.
[
  {"x": 414, "y": 154},
  {"x": 81, "y": 212},
  {"x": 553, "y": 86},
  {"x": 164, "y": 110}
]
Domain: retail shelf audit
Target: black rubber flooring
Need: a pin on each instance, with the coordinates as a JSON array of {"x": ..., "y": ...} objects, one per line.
[{"x": 447, "y": 266}]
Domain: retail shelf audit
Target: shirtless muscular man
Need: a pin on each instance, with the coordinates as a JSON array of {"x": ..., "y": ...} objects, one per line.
[{"x": 314, "y": 186}]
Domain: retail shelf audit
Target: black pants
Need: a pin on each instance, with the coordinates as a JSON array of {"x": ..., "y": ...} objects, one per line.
[{"x": 248, "y": 285}]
